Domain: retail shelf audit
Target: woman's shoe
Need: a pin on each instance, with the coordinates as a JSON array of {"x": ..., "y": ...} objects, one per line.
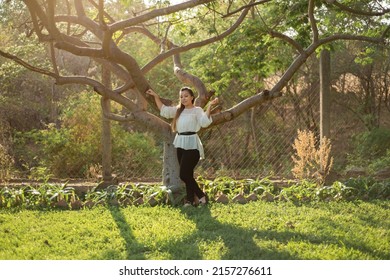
[
  {"x": 203, "y": 201},
  {"x": 187, "y": 204}
]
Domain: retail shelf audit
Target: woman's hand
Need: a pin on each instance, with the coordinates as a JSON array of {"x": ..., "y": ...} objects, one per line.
[
  {"x": 215, "y": 101},
  {"x": 156, "y": 98},
  {"x": 151, "y": 92}
]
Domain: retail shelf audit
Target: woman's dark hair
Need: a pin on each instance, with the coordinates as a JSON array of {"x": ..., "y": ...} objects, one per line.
[{"x": 181, "y": 107}]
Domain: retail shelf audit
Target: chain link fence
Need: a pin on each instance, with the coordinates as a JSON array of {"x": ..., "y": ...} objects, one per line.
[
  {"x": 259, "y": 142},
  {"x": 256, "y": 144}
]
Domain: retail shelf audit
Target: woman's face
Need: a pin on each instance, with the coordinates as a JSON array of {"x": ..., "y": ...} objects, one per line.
[{"x": 186, "y": 98}]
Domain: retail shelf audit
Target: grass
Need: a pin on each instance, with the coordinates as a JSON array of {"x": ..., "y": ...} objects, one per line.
[{"x": 257, "y": 230}]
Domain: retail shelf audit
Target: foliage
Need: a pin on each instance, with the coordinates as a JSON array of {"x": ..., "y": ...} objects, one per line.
[
  {"x": 45, "y": 196},
  {"x": 311, "y": 162},
  {"x": 240, "y": 63},
  {"x": 371, "y": 144},
  {"x": 72, "y": 149},
  {"x": 63, "y": 196},
  {"x": 381, "y": 163},
  {"x": 135, "y": 153},
  {"x": 372, "y": 149}
]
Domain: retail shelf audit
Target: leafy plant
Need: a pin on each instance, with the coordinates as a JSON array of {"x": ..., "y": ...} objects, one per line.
[{"x": 62, "y": 196}]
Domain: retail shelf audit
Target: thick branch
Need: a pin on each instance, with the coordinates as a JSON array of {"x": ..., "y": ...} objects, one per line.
[
  {"x": 27, "y": 65},
  {"x": 302, "y": 57},
  {"x": 80, "y": 51},
  {"x": 348, "y": 37},
  {"x": 36, "y": 12},
  {"x": 119, "y": 118},
  {"x": 194, "y": 81},
  {"x": 242, "y": 107}
]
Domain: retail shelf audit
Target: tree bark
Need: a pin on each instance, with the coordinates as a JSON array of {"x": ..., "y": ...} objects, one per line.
[{"x": 170, "y": 172}]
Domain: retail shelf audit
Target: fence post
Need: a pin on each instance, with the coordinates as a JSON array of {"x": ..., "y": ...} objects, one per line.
[
  {"x": 325, "y": 81},
  {"x": 106, "y": 132}
]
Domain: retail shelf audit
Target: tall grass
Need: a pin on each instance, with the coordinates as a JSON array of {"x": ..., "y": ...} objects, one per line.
[{"x": 257, "y": 230}]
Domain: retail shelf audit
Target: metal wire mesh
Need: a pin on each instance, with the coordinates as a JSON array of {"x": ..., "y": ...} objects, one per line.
[
  {"x": 259, "y": 142},
  {"x": 256, "y": 144}
]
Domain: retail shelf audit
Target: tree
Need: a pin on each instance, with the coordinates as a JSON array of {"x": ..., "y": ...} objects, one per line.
[{"x": 87, "y": 29}]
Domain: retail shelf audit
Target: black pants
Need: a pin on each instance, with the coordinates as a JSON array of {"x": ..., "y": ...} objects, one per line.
[{"x": 188, "y": 159}]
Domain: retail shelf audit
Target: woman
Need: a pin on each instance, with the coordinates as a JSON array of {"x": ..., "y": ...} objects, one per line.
[{"x": 187, "y": 121}]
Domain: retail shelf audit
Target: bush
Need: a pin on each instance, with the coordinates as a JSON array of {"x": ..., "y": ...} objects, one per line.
[
  {"x": 75, "y": 147},
  {"x": 372, "y": 144},
  {"x": 311, "y": 162},
  {"x": 371, "y": 150}
]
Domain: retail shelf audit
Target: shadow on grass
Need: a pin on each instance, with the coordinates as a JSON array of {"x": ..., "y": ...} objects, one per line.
[
  {"x": 349, "y": 239},
  {"x": 237, "y": 243},
  {"x": 241, "y": 245},
  {"x": 134, "y": 249}
]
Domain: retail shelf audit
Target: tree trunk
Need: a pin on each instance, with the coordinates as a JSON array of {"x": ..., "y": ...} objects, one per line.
[{"x": 170, "y": 172}]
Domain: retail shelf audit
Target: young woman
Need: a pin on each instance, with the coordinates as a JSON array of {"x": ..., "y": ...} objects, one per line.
[{"x": 187, "y": 121}]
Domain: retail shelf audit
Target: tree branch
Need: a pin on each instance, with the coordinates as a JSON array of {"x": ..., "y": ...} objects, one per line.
[
  {"x": 250, "y": 5},
  {"x": 80, "y": 51},
  {"x": 194, "y": 81},
  {"x": 287, "y": 39},
  {"x": 313, "y": 23},
  {"x": 27, "y": 65},
  {"x": 175, "y": 50},
  {"x": 348, "y": 37},
  {"x": 242, "y": 107},
  {"x": 357, "y": 12}
]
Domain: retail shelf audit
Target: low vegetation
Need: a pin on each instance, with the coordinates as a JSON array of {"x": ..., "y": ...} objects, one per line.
[{"x": 221, "y": 190}]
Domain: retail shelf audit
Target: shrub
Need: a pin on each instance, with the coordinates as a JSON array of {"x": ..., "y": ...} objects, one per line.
[
  {"x": 74, "y": 148},
  {"x": 311, "y": 162},
  {"x": 371, "y": 150},
  {"x": 372, "y": 144}
]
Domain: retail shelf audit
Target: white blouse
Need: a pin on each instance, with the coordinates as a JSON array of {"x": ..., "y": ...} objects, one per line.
[{"x": 190, "y": 120}]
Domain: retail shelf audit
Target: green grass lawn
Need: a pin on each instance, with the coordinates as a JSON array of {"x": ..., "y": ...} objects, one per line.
[{"x": 257, "y": 230}]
